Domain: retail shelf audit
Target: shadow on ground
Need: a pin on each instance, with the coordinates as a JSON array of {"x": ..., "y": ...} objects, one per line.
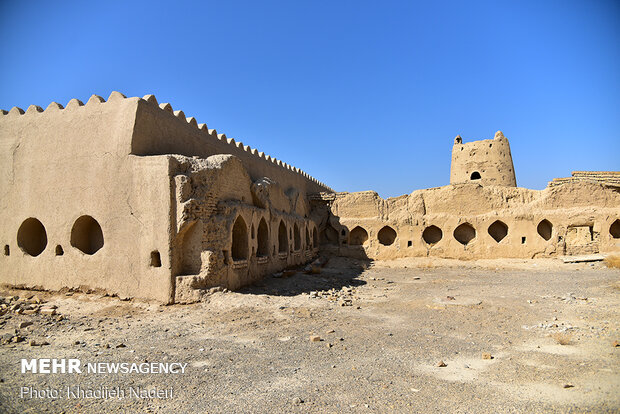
[{"x": 337, "y": 273}]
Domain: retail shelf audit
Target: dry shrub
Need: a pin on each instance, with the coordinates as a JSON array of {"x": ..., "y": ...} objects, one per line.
[
  {"x": 562, "y": 338},
  {"x": 613, "y": 261}
]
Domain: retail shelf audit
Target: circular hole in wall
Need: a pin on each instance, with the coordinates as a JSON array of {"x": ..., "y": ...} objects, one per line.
[
  {"x": 464, "y": 233},
  {"x": 386, "y": 236},
  {"x": 31, "y": 237},
  {"x": 432, "y": 234},
  {"x": 86, "y": 235}
]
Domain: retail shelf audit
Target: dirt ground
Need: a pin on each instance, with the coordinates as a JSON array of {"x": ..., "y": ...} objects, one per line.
[{"x": 381, "y": 331}]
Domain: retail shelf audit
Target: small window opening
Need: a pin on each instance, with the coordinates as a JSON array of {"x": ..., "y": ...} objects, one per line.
[
  {"x": 409, "y": 243},
  {"x": 155, "y": 259},
  {"x": 7, "y": 250},
  {"x": 475, "y": 175},
  {"x": 59, "y": 250},
  {"x": 343, "y": 232},
  {"x": 523, "y": 240}
]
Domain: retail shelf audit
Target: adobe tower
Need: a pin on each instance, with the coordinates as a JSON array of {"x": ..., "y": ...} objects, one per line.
[{"x": 487, "y": 162}]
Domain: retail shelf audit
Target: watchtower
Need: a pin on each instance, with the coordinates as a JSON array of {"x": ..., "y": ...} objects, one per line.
[{"x": 487, "y": 162}]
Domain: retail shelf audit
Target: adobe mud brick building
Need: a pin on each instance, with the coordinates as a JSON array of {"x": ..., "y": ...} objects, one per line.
[
  {"x": 135, "y": 198},
  {"x": 132, "y": 197},
  {"x": 481, "y": 214}
]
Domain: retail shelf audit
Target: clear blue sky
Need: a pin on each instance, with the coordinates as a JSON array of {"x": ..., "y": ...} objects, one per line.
[{"x": 362, "y": 95}]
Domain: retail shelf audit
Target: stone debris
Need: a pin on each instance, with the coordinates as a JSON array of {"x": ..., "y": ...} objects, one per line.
[
  {"x": 487, "y": 355},
  {"x": 26, "y": 304},
  {"x": 442, "y": 364},
  {"x": 20, "y": 305},
  {"x": 343, "y": 296},
  {"x": 48, "y": 311},
  {"x": 24, "y": 324},
  {"x": 315, "y": 338},
  {"x": 551, "y": 326}
]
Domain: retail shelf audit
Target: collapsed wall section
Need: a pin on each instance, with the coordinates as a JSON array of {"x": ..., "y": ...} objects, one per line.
[{"x": 231, "y": 231}]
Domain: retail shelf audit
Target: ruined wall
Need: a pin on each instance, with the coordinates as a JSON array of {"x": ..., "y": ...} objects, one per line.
[
  {"x": 134, "y": 198},
  {"x": 469, "y": 221},
  {"x": 486, "y": 162},
  {"x": 90, "y": 196},
  {"x": 231, "y": 231}
]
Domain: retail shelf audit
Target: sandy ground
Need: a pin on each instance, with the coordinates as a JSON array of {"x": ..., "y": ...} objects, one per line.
[{"x": 384, "y": 328}]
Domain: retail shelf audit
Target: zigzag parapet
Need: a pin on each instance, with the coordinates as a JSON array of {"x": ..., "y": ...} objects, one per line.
[
  {"x": 230, "y": 141},
  {"x": 179, "y": 114}
]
